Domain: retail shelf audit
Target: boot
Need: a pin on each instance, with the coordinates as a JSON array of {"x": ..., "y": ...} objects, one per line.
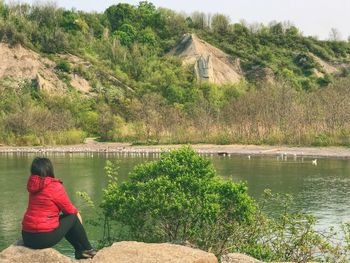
[{"x": 85, "y": 254}]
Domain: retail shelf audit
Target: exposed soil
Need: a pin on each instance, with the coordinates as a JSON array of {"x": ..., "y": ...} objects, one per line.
[
  {"x": 22, "y": 63},
  {"x": 210, "y": 63},
  {"x": 326, "y": 67}
]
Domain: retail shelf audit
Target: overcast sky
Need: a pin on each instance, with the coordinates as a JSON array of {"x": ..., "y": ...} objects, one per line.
[{"x": 312, "y": 17}]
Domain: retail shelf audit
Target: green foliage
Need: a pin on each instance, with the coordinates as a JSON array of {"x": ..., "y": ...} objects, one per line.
[
  {"x": 31, "y": 117},
  {"x": 105, "y": 122},
  {"x": 220, "y": 23},
  {"x": 124, "y": 51},
  {"x": 176, "y": 199},
  {"x": 69, "y": 137},
  {"x": 288, "y": 236},
  {"x": 147, "y": 36},
  {"x": 64, "y": 66},
  {"x": 9, "y": 34},
  {"x": 71, "y": 22},
  {"x": 181, "y": 198},
  {"x": 305, "y": 62},
  {"x": 126, "y": 34},
  {"x": 120, "y": 14}
]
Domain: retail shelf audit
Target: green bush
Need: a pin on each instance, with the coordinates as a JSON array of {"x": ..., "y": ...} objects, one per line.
[
  {"x": 73, "y": 136},
  {"x": 179, "y": 198},
  {"x": 9, "y": 34},
  {"x": 322, "y": 139},
  {"x": 289, "y": 235},
  {"x": 64, "y": 66}
]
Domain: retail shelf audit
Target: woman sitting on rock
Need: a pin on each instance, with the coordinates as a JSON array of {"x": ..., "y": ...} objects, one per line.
[{"x": 50, "y": 215}]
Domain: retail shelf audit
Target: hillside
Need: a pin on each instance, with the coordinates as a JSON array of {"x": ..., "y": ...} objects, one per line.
[
  {"x": 22, "y": 64},
  {"x": 210, "y": 63},
  {"x": 145, "y": 74}
]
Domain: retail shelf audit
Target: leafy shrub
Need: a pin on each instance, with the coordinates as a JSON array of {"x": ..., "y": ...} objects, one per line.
[
  {"x": 289, "y": 235},
  {"x": 64, "y": 66},
  {"x": 28, "y": 140},
  {"x": 322, "y": 139},
  {"x": 83, "y": 72},
  {"x": 179, "y": 198},
  {"x": 9, "y": 34},
  {"x": 222, "y": 139},
  {"x": 306, "y": 62},
  {"x": 72, "y": 136}
]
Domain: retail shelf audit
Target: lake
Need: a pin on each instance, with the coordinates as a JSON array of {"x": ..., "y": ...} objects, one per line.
[{"x": 321, "y": 190}]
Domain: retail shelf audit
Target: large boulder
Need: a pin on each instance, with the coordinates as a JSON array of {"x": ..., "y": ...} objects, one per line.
[
  {"x": 121, "y": 252},
  {"x": 130, "y": 252},
  {"x": 20, "y": 254}
]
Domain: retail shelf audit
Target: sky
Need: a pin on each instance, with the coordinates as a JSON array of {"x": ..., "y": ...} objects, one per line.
[{"x": 312, "y": 17}]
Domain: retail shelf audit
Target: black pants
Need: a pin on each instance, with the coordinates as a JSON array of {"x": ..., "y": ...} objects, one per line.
[{"x": 70, "y": 228}]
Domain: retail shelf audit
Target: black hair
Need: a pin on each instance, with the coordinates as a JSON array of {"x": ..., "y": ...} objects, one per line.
[{"x": 43, "y": 167}]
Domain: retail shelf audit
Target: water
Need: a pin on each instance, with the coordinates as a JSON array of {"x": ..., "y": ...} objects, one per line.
[{"x": 321, "y": 190}]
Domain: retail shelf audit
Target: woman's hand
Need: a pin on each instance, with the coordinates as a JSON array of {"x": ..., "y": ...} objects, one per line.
[{"x": 79, "y": 217}]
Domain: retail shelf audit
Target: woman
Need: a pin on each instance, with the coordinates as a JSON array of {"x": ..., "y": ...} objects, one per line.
[{"x": 50, "y": 215}]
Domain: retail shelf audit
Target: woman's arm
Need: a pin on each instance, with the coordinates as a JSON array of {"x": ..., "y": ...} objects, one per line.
[{"x": 61, "y": 199}]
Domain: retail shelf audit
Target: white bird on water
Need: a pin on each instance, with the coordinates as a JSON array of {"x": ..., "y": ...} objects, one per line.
[
  {"x": 248, "y": 157},
  {"x": 314, "y": 162}
]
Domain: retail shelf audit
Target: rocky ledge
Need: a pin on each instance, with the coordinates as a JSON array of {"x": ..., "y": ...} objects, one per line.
[{"x": 123, "y": 252}]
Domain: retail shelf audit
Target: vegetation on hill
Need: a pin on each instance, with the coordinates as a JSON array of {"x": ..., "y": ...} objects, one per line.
[{"x": 143, "y": 95}]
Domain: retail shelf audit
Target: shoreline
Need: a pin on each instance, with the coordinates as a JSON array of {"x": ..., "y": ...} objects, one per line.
[{"x": 205, "y": 149}]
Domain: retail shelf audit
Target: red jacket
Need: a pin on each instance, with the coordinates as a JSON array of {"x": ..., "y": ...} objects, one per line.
[{"x": 47, "y": 198}]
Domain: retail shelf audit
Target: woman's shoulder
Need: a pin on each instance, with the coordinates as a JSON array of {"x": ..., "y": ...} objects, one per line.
[{"x": 55, "y": 183}]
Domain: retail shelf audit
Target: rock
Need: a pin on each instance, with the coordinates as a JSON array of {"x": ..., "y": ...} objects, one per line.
[
  {"x": 120, "y": 252},
  {"x": 210, "y": 63},
  {"x": 130, "y": 252},
  {"x": 20, "y": 254},
  {"x": 241, "y": 258},
  {"x": 21, "y": 63},
  {"x": 238, "y": 258}
]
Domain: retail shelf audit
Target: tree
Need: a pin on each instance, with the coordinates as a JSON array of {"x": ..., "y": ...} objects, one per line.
[
  {"x": 147, "y": 15},
  {"x": 105, "y": 121},
  {"x": 199, "y": 20},
  {"x": 292, "y": 31},
  {"x": 4, "y": 10},
  {"x": 46, "y": 15},
  {"x": 147, "y": 36},
  {"x": 334, "y": 34},
  {"x": 151, "y": 113},
  {"x": 174, "y": 23},
  {"x": 126, "y": 34},
  {"x": 276, "y": 28},
  {"x": 220, "y": 23},
  {"x": 179, "y": 198},
  {"x": 72, "y": 22},
  {"x": 120, "y": 14}
]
